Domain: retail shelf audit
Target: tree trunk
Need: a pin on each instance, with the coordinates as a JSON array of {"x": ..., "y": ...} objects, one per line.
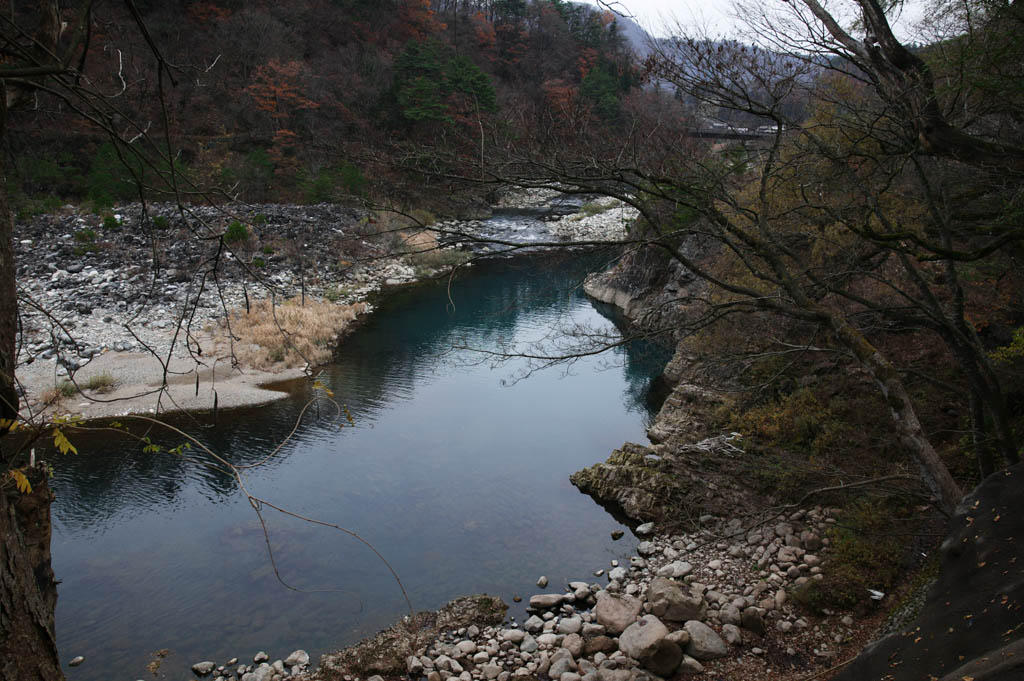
[
  {"x": 901, "y": 408},
  {"x": 28, "y": 591}
]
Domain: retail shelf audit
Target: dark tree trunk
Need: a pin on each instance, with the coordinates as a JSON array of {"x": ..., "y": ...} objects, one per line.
[{"x": 28, "y": 591}]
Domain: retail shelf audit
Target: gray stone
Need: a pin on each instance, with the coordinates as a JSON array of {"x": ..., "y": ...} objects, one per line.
[
  {"x": 534, "y": 624},
  {"x": 704, "y": 643},
  {"x": 618, "y": 574},
  {"x": 464, "y": 648},
  {"x": 548, "y": 639},
  {"x": 680, "y": 637},
  {"x": 542, "y": 582},
  {"x": 810, "y": 540},
  {"x": 731, "y": 634},
  {"x": 413, "y": 665},
  {"x": 641, "y": 639},
  {"x": 514, "y": 635},
  {"x": 203, "y": 668},
  {"x": 599, "y": 644},
  {"x": 260, "y": 657},
  {"x": 676, "y": 569},
  {"x": 546, "y": 601},
  {"x": 529, "y": 644},
  {"x": 490, "y": 671},
  {"x": 668, "y": 599},
  {"x": 615, "y": 612},
  {"x": 569, "y": 625},
  {"x": 561, "y": 662},
  {"x": 688, "y": 665},
  {"x": 574, "y": 644},
  {"x": 606, "y": 674},
  {"x": 264, "y": 672},
  {"x": 730, "y": 614},
  {"x": 646, "y": 548},
  {"x": 753, "y": 620},
  {"x": 645, "y": 529},
  {"x": 665, "y": 659},
  {"x": 299, "y": 657},
  {"x": 75, "y": 661}
]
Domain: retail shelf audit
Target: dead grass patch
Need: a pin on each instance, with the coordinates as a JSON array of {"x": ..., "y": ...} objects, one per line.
[{"x": 290, "y": 334}]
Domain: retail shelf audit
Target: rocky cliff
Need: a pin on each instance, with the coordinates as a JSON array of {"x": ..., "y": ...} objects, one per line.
[{"x": 972, "y": 623}]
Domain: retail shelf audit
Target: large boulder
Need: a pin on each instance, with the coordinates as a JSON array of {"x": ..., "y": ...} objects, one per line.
[
  {"x": 641, "y": 639},
  {"x": 616, "y": 612},
  {"x": 673, "y": 601},
  {"x": 970, "y": 625},
  {"x": 704, "y": 643}
]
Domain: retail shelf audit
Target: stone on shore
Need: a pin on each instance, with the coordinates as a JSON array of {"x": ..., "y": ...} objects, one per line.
[
  {"x": 641, "y": 639},
  {"x": 669, "y": 600},
  {"x": 299, "y": 657},
  {"x": 616, "y": 612},
  {"x": 203, "y": 668},
  {"x": 546, "y": 601},
  {"x": 704, "y": 643}
]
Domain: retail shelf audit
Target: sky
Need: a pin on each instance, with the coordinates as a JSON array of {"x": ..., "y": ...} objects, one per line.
[{"x": 656, "y": 16}]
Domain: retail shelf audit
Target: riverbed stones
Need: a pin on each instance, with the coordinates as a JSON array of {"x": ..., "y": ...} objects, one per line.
[
  {"x": 665, "y": 659},
  {"x": 298, "y": 657},
  {"x": 534, "y": 624},
  {"x": 204, "y": 668},
  {"x": 669, "y": 600},
  {"x": 704, "y": 643},
  {"x": 569, "y": 625},
  {"x": 616, "y": 612},
  {"x": 546, "y": 601},
  {"x": 640, "y": 640}
]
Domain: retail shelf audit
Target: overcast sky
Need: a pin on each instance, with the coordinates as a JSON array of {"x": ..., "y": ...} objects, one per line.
[{"x": 656, "y": 16}]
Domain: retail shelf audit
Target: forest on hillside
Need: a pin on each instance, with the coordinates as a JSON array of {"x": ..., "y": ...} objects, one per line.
[{"x": 313, "y": 101}]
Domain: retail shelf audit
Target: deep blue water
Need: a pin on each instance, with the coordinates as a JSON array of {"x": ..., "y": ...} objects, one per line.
[{"x": 454, "y": 470}]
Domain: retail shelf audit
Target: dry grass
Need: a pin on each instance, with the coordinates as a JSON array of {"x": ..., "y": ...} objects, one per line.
[
  {"x": 290, "y": 334},
  {"x": 101, "y": 383}
]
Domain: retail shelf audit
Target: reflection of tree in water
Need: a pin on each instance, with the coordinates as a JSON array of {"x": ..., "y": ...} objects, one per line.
[{"x": 407, "y": 340}]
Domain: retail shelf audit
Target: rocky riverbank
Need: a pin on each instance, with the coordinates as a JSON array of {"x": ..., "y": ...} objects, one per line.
[
  {"x": 716, "y": 601},
  {"x": 134, "y": 307}
]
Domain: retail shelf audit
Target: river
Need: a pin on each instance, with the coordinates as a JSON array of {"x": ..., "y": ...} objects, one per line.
[{"x": 454, "y": 470}]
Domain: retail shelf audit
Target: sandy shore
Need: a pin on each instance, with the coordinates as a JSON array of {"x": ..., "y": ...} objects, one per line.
[{"x": 138, "y": 379}]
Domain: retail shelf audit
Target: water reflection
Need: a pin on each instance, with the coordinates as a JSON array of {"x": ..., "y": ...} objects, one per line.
[{"x": 460, "y": 482}]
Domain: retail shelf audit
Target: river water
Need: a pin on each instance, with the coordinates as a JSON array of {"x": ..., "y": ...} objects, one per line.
[{"x": 454, "y": 470}]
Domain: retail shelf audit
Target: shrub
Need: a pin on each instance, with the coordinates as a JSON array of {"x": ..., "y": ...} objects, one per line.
[
  {"x": 111, "y": 223},
  {"x": 864, "y": 554},
  {"x": 85, "y": 236},
  {"x": 160, "y": 222},
  {"x": 236, "y": 233},
  {"x": 268, "y": 250},
  {"x": 258, "y": 262}
]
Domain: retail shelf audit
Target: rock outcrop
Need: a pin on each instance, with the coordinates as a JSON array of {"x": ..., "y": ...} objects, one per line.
[
  {"x": 970, "y": 626},
  {"x": 685, "y": 474}
]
